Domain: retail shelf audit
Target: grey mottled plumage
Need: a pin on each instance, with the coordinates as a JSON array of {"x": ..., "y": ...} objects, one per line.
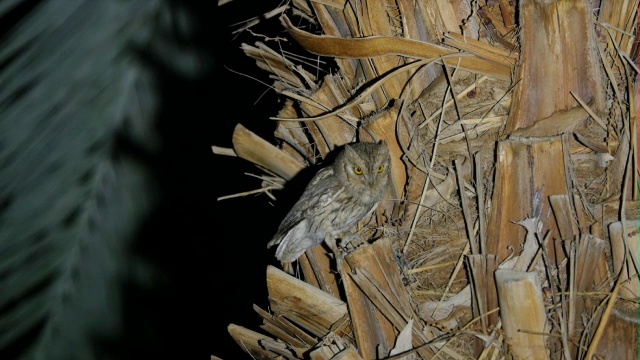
[{"x": 337, "y": 197}]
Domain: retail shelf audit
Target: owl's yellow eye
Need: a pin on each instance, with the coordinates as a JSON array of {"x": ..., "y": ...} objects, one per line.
[
  {"x": 358, "y": 170},
  {"x": 381, "y": 168}
]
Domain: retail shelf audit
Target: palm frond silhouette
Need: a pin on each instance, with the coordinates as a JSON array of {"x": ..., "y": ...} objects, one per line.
[{"x": 70, "y": 84}]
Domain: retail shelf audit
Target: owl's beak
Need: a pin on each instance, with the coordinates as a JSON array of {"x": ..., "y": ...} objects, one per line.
[{"x": 371, "y": 179}]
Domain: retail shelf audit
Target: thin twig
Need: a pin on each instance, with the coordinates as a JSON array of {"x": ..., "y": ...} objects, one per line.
[
  {"x": 245, "y": 193},
  {"x": 452, "y": 277},
  {"x": 431, "y": 267},
  {"x": 465, "y": 209},
  {"x": 589, "y": 110},
  {"x": 450, "y": 80},
  {"x": 480, "y": 203}
]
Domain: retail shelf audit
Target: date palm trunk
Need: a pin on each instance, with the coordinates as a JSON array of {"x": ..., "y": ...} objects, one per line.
[{"x": 513, "y": 134}]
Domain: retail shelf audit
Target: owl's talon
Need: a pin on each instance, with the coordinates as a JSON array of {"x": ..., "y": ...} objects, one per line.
[
  {"x": 288, "y": 268},
  {"x": 339, "y": 261},
  {"x": 353, "y": 241},
  {"x": 335, "y": 249}
]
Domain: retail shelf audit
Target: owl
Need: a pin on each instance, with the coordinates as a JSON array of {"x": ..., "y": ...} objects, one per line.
[{"x": 336, "y": 199}]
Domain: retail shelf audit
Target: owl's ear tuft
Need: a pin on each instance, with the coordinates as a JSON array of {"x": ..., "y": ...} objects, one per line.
[
  {"x": 384, "y": 149},
  {"x": 349, "y": 148}
]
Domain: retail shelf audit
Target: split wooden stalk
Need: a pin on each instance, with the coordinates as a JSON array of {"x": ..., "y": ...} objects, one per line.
[
  {"x": 590, "y": 268},
  {"x": 528, "y": 171},
  {"x": 403, "y": 19},
  {"x": 379, "y": 303},
  {"x": 330, "y": 132},
  {"x": 348, "y": 21},
  {"x": 259, "y": 346},
  {"x": 373, "y": 332},
  {"x": 251, "y": 147},
  {"x": 483, "y": 289},
  {"x": 507, "y": 14},
  {"x": 331, "y": 347},
  {"x": 293, "y": 133},
  {"x": 565, "y": 216},
  {"x": 324, "y": 352},
  {"x": 634, "y": 126},
  {"x": 299, "y": 341},
  {"x": 316, "y": 268},
  {"x": 522, "y": 313},
  {"x": 311, "y": 308},
  {"x": 495, "y": 27},
  {"x": 557, "y": 56},
  {"x": 586, "y": 252},
  {"x": 296, "y": 305},
  {"x": 622, "y": 248}
]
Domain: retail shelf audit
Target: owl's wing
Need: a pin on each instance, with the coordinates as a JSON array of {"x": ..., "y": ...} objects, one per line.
[
  {"x": 320, "y": 192},
  {"x": 294, "y": 242},
  {"x": 295, "y": 233}
]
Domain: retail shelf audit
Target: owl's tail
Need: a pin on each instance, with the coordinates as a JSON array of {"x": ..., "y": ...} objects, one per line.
[{"x": 277, "y": 238}]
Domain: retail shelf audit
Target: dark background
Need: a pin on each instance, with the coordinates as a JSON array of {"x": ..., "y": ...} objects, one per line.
[
  {"x": 215, "y": 261},
  {"x": 208, "y": 258},
  {"x": 247, "y": 223}
]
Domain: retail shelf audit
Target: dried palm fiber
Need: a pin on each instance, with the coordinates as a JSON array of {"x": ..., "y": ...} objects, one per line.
[{"x": 511, "y": 160}]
